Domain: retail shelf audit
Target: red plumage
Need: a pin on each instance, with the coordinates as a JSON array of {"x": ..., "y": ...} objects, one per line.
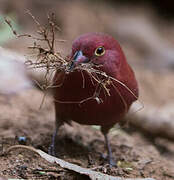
[{"x": 77, "y": 86}]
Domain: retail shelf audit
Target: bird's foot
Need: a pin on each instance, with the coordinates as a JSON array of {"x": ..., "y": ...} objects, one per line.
[{"x": 110, "y": 160}]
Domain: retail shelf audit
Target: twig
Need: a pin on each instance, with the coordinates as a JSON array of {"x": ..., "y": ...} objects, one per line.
[
  {"x": 50, "y": 60},
  {"x": 93, "y": 175}
]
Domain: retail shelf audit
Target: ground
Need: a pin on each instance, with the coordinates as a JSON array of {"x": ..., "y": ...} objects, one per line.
[
  {"x": 136, "y": 156},
  {"x": 148, "y": 47}
]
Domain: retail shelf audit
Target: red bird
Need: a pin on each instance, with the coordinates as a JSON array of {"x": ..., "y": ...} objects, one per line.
[{"x": 73, "y": 91}]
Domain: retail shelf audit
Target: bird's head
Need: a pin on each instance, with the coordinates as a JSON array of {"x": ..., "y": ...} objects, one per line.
[{"x": 96, "y": 48}]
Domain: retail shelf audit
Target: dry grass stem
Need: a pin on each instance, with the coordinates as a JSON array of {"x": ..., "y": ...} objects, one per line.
[{"x": 52, "y": 61}]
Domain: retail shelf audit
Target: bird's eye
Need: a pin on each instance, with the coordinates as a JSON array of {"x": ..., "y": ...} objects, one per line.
[{"x": 100, "y": 51}]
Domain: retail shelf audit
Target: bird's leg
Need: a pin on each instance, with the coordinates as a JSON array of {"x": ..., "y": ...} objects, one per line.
[
  {"x": 51, "y": 149},
  {"x": 110, "y": 158},
  {"x": 104, "y": 131}
]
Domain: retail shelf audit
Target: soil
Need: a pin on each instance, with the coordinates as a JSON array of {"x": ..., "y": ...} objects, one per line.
[
  {"x": 22, "y": 121},
  {"x": 20, "y": 116}
]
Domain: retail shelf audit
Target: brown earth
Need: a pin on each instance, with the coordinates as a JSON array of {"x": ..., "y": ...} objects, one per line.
[
  {"x": 137, "y": 154},
  {"x": 82, "y": 145}
]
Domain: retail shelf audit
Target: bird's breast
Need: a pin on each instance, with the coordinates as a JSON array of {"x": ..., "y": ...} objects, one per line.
[{"x": 76, "y": 99}]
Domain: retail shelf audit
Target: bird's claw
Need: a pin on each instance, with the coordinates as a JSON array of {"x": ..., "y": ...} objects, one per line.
[
  {"x": 110, "y": 160},
  {"x": 112, "y": 163}
]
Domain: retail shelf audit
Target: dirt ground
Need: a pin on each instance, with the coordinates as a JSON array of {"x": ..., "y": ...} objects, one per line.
[{"x": 138, "y": 155}]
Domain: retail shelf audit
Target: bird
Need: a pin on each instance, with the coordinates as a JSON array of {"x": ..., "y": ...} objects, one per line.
[{"x": 94, "y": 98}]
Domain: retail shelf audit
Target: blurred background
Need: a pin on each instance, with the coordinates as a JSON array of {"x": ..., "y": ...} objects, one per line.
[{"x": 145, "y": 30}]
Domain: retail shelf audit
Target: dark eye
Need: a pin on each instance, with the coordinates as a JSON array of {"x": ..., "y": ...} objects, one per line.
[{"x": 100, "y": 51}]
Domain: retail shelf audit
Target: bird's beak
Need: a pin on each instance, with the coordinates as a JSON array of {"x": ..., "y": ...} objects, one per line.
[{"x": 78, "y": 58}]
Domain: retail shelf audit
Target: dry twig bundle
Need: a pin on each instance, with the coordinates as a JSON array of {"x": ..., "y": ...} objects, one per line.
[{"x": 52, "y": 61}]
